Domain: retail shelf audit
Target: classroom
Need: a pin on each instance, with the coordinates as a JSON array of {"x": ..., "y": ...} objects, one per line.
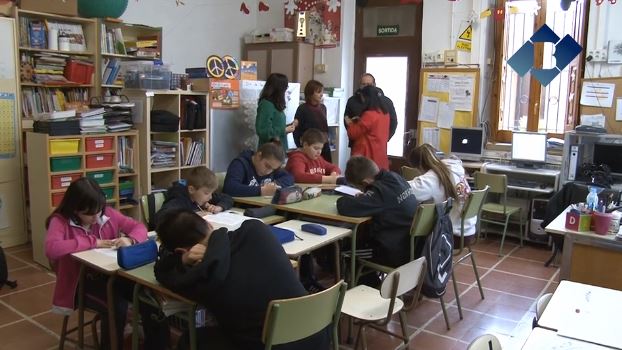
[{"x": 310, "y": 174}]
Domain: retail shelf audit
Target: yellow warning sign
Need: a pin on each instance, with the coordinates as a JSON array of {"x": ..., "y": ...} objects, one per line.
[
  {"x": 467, "y": 34},
  {"x": 485, "y": 13},
  {"x": 463, "y": 45}
]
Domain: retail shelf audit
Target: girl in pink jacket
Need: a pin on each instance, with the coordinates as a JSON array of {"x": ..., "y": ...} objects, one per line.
[{"x": 82, "y": 221}]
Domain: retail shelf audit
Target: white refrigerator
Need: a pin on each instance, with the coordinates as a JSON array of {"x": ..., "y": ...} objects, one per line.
[{"x": 233, "y": 130}]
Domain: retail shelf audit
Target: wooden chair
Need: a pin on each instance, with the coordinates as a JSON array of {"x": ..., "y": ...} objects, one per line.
[
  {"x": 485, "y": 342},
  {"x": 409, "y": 173},
  {"x": 498, "y": 185},
  {"x": 375, "y": 308},
  {"x": 288, "y": 320},
  {"x": 150, "y": 204},
  {"x": 472, "y": 207}
]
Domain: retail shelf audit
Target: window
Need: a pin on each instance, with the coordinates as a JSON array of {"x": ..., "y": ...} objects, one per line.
[{"x": 523, "y": 103}]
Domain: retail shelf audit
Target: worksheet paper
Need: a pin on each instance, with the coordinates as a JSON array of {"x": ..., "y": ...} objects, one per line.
[
  {"x": 445, "y": 115},
  {"x": 619, "y": 109},
  {"x": 348, "y": 190},
  {"x": 429, "y": 109},
  {"x": 231, "y": 221},
  {"x": 431, "y": 136},
  {"x": 461, "y": 90},
  {"x": 597, "y": 94},
  {"x": 438, "y": 83},
  {"x": 109, "y": 252}
]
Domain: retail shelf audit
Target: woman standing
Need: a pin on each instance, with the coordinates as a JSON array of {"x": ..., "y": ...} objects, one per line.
[
  {"x": 370, "y": 133},
  {"x": 270, "y": 122},
  {"x": 312, "y": 115}
]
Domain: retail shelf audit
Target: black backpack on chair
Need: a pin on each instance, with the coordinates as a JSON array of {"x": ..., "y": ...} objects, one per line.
[
  {"x": 438, "y": 251},
  {"x": 4, "y": 272}
]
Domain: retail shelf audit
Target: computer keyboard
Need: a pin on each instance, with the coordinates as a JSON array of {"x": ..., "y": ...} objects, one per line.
[{"x": 524, "y": 183}]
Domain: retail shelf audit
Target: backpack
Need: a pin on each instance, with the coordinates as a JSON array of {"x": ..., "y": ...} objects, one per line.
[
  {"x": 438, "y": 251},
  {"x": 4, "y": 272}
]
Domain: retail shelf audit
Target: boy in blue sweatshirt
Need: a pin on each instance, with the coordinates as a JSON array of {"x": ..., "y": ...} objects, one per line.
[{"x": 257, "y": 173}]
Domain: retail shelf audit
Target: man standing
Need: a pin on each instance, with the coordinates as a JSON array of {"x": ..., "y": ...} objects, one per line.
[{"x": 355, "y": 106}]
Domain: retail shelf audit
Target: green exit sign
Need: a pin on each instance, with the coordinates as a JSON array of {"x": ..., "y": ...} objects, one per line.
[{"x": 386, "y": 30}]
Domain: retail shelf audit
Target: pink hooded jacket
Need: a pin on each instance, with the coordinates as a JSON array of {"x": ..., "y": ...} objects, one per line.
[{"x": 65, "y": 237}]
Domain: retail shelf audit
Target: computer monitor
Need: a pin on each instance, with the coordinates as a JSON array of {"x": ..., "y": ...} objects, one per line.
[
  {"x": 467, "y": 143},
  {"x": 609, "y": 154},
  {"x": 528, "y": 149}
]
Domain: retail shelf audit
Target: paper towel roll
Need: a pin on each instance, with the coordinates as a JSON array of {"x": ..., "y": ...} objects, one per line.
[{"x": 53, "y": 39}]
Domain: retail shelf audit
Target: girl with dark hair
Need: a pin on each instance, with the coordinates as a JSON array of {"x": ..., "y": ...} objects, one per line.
[
  {"x": 270, "y": 122},
  {"x": 369, "y": 134},
  {"x": 312, "y": 115},
  {"x": 82, "y": 221}
]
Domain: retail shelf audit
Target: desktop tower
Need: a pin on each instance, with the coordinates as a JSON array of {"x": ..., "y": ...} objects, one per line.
[{"x": 538, "y": 211}]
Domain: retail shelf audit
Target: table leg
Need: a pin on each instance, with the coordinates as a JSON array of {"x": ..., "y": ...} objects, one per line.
[
  {"x": 337, "y": 262},
  {"x": 81, "y": 307},
  {"x": 192, "y": 328},
  {"x": 111, "y": 312},
  {"x": 135, "y": 315},
  {"x": 352, "y": 282}
]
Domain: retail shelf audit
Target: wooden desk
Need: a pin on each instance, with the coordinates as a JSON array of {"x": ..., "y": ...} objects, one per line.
[
  {"x": 268, "y": 220},
  {"x": 585, "y": 312},
  {"x": 588, "y": 257},
  {"x": 541, "y": 338},
  {"x": 310, "y": 242}
]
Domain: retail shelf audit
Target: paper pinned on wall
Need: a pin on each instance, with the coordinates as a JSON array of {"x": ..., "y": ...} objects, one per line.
[
  {"x": 445, "y": 115},
  {"x": 438, "y": 83},
  {"x": 431, "y": 136},
  {"x": 4, "y": 216},
  {"x": 429, "y": 109},
  {"x": 461, "y": 90},
  {"x": 619, "y": 109},
  {"x": 597, "y": 94}
]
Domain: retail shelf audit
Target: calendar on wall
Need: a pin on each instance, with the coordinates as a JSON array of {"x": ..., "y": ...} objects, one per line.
[{"x": 8, "y": 126}]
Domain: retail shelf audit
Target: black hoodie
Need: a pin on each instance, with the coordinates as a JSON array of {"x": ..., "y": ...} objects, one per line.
[
  {"x": 177, "y": 197},
  {"x": 392, "y": 203},
  {"x": 241, "y": 272},
  {"x": 242, "y": 179}
]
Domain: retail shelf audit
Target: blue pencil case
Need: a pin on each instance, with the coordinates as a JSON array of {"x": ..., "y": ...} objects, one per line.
[
  {"x": 282, "y": 235},
  {"x": 137, "y": 255}
]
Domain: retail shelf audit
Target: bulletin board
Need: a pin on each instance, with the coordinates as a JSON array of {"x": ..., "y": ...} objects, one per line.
[
  {"x": 612, "y": 125},
  {"x": 448, "y": 97}
]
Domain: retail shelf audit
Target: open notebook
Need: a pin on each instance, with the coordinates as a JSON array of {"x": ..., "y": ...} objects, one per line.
[{"x": 230, "y": 220}]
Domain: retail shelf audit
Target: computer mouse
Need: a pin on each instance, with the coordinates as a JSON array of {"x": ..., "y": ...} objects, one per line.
[{"x": 314, "y": 228}]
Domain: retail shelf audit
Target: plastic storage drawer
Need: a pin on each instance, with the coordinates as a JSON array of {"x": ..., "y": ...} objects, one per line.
[
  {"x": 64, "y": 146},
  {"x": 101, "y": 177},
  {"x": 63, "y": 181},
  {"x": 57, "y": 198},
  {"x": 109, "y": 193},
  {"x": 99, "y": 160},
  {"x": 94, "y": 144},
  {"x": 65, "y": 163}
]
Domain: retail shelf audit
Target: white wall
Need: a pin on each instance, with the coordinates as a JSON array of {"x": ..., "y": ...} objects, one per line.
[{"x": 604, "y": 25}]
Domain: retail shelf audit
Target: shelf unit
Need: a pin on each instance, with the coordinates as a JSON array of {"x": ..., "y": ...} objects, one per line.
[
  {"x": 71, "y": 92},
  {"x": 160, "y": 178},
  {"x": 584, "y": 142},
  {"x": 111, "y": 159}
]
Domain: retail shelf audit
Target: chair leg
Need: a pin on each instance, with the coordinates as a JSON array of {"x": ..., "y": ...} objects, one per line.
[
  {"x": 479, "y": 283},
  {"x": 364, "y": 339},
  {"x": 404, "y": 329},
  {"x": 520, "y": 215},
  {"x": 360, "y": 334},
  {"x": 94, "y": 330},
  {"x": 505, "y": 229},
  {"x": 445, "y": 313},
  {"x": 63, "y": 333},
  {"x": 457, "y": 293}
]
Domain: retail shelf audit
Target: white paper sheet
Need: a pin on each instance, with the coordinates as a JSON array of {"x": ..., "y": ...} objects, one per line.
[
  {"x": 429, "y": 109},
  {"x": 593, "y": 120},
  {"x": 461, "y": 90},
  {"x": 431, "y": 136},
  {"x": 438, "y": 83},
  {"x": 231, "y": 221},
  {"x": 111, "y": 252},
  {"x": 619, "y": 109},
  {"x": 597, "y": 94},
  {"x": 445, "y": 115},
  {"x": 348, "y": 190}
]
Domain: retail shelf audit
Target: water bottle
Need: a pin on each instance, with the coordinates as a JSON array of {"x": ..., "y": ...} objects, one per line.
[{"x": 592, "y": 199}]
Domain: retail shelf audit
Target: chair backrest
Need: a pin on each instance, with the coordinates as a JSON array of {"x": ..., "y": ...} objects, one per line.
[
  {"x": 409, "y": 173},
  {"x": 150, "y": 204},
  {"x": 410, "y": 277},
  {"x": 472, "y": 207},
  {"x": 288, "y": 320},
  {"x": 543, "y": 301},
  {"x": 485, "y": 342},
  {"x": 423, "y": 223},
  {"x": 221, "y": 180},
  {"x": 497, "y": 182}
]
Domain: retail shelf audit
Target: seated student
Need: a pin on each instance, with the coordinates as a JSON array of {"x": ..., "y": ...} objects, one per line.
[
  {"x": 81, "y": 222},
  {"x": 257, "y": 173},
  {"x": 307, "y": 164},
  {"x": 197, "y": 194},
  {"x": 235, "y": 274},
  {"x": 390, "y": 201},
  {"x": 442, "y": 179}
]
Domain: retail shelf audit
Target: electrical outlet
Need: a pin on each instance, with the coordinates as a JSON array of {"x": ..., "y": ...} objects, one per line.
[
  {"x": 428, "y": 57},
  {"x": 320, "y": 68},
  {"x": 599, "y": 55}
]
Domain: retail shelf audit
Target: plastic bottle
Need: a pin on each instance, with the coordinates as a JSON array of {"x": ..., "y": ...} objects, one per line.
[{"x": 592, "y": 198}]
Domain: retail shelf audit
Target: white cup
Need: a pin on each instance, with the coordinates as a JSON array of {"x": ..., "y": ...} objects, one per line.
[
  {"x": 63, "y": 43},
  {"x": 53, "y": 39}
]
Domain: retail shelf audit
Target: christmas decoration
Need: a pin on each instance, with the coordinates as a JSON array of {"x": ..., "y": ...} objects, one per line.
[
  {"x": 323, "y": 20},
  {"x": 290, "y": 7},
  {"x": 244, "y": 9},
  {"x": 263, "y": 7}
]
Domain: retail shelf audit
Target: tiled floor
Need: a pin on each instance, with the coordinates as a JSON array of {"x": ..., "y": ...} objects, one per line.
[{"x": 512, "y": 284}]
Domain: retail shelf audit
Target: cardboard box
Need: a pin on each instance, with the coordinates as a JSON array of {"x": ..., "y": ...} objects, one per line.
[
  {"x": 6, "y": 8},
  {"x": 59, "y": 7},
  {"x": 200, "y": 84},
  {"x": 578, "y": 222}
]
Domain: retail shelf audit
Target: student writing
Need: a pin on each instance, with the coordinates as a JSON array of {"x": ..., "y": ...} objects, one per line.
[{"x": 307, "y": 165}]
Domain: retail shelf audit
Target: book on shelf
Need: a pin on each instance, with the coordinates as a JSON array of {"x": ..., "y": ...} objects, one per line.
[
  {"x": 125, "y": 153},
  {"x": 38, "y": 100},
  {"x": 37, "y": 35},
  {"x": 73, "y": 31},
  {"x": 55, "y": 115}
]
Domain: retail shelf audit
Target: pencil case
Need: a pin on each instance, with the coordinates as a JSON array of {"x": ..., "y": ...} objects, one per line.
[{"x": 137, "y": 255}]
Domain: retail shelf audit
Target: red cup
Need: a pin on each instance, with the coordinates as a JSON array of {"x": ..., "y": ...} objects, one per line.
[{"x": 601, "y": 222}]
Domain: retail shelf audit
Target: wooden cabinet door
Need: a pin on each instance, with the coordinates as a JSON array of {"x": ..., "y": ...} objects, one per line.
[{"x": 283, "y": 61}]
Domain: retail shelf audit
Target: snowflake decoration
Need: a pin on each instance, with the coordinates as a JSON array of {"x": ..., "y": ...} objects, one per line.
[
  {"x": 290, "y": 7},
  {"x": 332, "y": 5}
]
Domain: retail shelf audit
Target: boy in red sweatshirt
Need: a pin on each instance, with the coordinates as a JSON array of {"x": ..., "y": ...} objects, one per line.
[{"x": 307, "y": 164}]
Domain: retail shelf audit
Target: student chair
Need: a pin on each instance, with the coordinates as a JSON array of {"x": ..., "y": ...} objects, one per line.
[
  {"x": 409, "y": 173},
  {"x": 375, "y": 308},
  {"x": 541, "y": 304},
  {"x": 221, "y": 180},
  {"x": 288, "y": 320},
  {"x": 498, "y": 185},
  {"x": 472, "y": 207},
  {"x": 150, "y": 204},
  {"x": 485, "y": 342}
]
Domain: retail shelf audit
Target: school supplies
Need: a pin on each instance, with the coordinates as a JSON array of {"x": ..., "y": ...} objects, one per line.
[{"x": 137, "y": 255}]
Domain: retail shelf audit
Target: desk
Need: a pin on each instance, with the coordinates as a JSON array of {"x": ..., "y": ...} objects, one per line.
[
  {"x": 585, "y": 312},
  {"x": 268, "y": 220},
  {"x": 588, "y": 257},
  {"x": 541, "y": 338},
  {"x": 297, "y": 248},
  {"x": 99, "y": 261},
  {"x": 322, "y": 207},
  {"x": 548, "y": 177}
]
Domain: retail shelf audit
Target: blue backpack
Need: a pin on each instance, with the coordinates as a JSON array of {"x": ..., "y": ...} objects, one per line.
[
  {"x": 438, "y": 251},
  {"x": 4, "y": 272}
]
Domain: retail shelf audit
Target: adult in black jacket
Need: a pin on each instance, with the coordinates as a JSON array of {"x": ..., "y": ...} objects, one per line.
[
  {"x": 235, "y": 274},
  {"x": 391, "y": 202}
]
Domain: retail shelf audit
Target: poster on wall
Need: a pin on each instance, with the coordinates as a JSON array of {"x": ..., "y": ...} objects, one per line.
[
  {"x": 323, "y": 20},
  {"x": 224, "y": 93},
  {"x": 8, "y": 126}
]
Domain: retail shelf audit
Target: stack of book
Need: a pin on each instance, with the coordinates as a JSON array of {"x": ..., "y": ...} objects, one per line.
[
  {"x": 48, "y": 68},
  {"x": 118, "y": 116},
  {"x": 144, "y": 46},
  {"x": 191, "y": 151},
  {"x": 57, "y": 123},
  {"x": 125, "y": 156},
  {"x": 39, "y": 100},
  {"x": 163, "y": 154},
  {"x": 112, "y": 40},
  {"x": 111, "y": 72},
  {"x": 92, "y": 121}
]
